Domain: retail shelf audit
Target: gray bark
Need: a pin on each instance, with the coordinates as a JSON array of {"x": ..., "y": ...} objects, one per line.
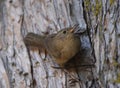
[{"x": 23, "y": 67}]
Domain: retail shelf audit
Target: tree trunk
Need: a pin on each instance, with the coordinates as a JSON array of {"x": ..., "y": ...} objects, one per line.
[{"x": 28, "y": 67}]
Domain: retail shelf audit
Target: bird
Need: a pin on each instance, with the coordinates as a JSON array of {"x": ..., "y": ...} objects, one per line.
[{"x": 61, "y": 46}]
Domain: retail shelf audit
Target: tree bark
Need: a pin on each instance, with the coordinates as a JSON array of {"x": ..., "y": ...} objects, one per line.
[{"x": 28, "y": 67}]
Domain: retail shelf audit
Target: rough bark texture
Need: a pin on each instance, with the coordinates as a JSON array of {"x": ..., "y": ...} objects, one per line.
[{"x": 23, "y": 67}]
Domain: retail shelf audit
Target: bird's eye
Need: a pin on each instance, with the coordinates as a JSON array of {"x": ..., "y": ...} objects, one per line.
[{"x": 64, "y": 32}]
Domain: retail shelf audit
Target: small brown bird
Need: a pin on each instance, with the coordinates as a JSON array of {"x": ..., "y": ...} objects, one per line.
[{"x": 62, "y": 46}]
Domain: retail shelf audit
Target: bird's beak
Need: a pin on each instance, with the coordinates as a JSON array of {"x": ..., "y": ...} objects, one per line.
[{"x": 73, "y": 28}]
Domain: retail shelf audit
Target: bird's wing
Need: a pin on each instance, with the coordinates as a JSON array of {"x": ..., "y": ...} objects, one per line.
[{"x": 51, "y": 46}]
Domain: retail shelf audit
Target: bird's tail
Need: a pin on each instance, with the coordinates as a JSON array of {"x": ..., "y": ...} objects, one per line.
[{"x": 35, "y": 40}]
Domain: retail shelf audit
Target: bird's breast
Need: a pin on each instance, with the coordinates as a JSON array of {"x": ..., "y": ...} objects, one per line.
[{"x": 67, "y": 49}]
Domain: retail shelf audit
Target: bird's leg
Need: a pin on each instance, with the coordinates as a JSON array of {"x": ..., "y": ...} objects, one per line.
[
  {"x": 60, "y": 67},
  {"x": 72, "y": 76},
  {"x": 64, "y": 70}
]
